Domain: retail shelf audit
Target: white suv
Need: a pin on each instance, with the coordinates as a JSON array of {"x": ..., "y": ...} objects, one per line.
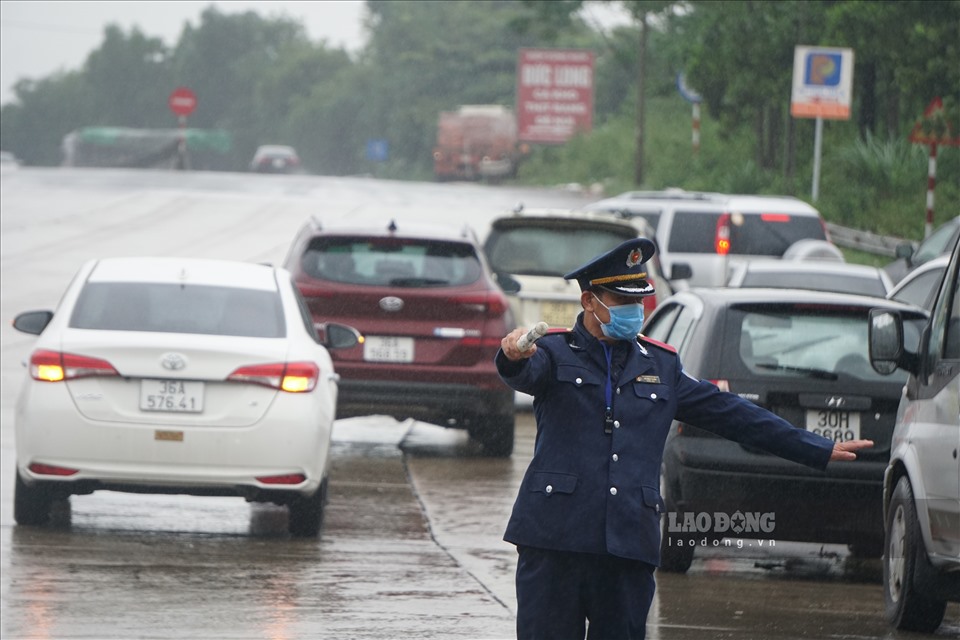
[
  {"x": 712, "y": 232},
  {"x": 530, "y": 250},
  {"x": 921, "y": 488}
]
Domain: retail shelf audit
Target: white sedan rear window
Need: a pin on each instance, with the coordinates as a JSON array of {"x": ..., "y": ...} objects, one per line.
[{"x": 174, "y": 308}]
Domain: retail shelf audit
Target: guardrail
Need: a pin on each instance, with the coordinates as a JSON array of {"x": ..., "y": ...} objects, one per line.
[{"x": 865, "y": 240}]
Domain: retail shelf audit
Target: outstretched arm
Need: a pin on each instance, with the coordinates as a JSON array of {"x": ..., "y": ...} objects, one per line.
[{"x": 845, "y": 450}]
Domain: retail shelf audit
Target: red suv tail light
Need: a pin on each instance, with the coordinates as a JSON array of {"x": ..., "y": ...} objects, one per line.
[
  {"x": 53, "y": 366},
  {"x": 293, "y": 377},
  {"x": 491, "y": 303}
]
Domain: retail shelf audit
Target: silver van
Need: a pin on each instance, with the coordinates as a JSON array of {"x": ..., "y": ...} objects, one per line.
[
  {"x": 702, "y": 235},
  {"x": 921, "y": 494}
]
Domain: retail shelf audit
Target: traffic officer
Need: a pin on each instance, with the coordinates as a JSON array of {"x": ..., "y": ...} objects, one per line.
[{"x": 586, "y": 521}]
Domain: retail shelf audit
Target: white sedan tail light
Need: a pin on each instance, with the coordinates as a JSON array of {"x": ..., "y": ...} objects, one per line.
[
  {"x": 54, "y": 366},
  {"x": 293, "y": 377}
]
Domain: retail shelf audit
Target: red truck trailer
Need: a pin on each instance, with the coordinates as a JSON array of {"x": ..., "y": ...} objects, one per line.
[{"x": 476, "y": 142}]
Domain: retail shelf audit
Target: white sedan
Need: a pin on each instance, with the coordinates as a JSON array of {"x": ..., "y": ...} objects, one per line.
[{"x": 181, "y": 376}]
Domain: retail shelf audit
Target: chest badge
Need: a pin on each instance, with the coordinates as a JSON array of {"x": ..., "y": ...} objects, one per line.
[{"x": 649, "y": 379}]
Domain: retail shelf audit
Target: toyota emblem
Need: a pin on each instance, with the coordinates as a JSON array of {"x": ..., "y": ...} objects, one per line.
[
  {"x": 173, "y": 361},
  {"x": 391, "y": 303}
]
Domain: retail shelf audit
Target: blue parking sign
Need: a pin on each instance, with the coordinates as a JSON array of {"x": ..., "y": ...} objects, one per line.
[
  {"x": 823, "y": 69},
  {"x": 822, "y": 83}
]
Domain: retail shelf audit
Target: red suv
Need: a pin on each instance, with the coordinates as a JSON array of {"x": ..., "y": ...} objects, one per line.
[{"x": 431, "y": 319}]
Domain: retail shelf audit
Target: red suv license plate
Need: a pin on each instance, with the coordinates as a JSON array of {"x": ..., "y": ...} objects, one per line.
[{"x": 387, "y": 349}]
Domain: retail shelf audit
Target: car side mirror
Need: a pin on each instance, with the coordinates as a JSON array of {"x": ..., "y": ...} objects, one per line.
[
  {"x": 681, "y": 271},
  {"x": 886, "y": 342},
  {"x": 337, "y": 336},
  {"x": 33, "y": 322},
  {"x": 904, "y": 250},
  {"x": 507, "y": 282}
]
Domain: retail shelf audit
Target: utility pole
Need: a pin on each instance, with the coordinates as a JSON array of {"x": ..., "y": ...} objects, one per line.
[{"x": 638, "y": 166}]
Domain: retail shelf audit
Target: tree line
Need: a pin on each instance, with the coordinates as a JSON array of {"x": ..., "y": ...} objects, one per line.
[{"x": 265, "y": 81}]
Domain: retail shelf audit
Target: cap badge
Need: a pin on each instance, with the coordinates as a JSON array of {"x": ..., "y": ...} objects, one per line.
[{"x": 634, "y": 258}]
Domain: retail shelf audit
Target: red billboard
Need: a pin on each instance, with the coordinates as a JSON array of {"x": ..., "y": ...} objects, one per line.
[{"x": 554, "y": 94}]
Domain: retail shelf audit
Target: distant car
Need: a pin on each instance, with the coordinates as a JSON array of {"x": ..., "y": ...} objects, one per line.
[
  {"x": 431, "y": 318},
  {"x": 919, "y": 287},
  {"x": 936, "y": 244},
  {"x": 530, "y": 250},
  {"x": 9, "y": 161},
  {"x": 274, "y": 158},
  {"x": 709, "y": 233},
  {"x": 176, "y": 375},
  {"x": 839, "y": 277},
  {"x": 921, "y": 489},
  {"x": 803, "y": 355}
]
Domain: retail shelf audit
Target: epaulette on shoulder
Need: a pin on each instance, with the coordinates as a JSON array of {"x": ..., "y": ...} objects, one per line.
[
  {"x": 657, "y": 343},
  {"x": 553, "y": 330}
]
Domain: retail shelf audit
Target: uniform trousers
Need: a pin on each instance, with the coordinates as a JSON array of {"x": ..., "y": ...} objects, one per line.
[{"x": 559, "y": 591}]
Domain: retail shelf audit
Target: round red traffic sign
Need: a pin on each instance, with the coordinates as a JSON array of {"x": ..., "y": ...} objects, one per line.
[{"x": 182, "y": 101}]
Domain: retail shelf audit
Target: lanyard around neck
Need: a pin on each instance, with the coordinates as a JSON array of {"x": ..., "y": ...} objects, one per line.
[{"x": 608, "y": 392}]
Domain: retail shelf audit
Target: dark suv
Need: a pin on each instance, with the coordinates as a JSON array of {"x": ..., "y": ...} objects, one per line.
[
  {"x": 431, "y": 319},
  {"x": 804, "y": 356}
]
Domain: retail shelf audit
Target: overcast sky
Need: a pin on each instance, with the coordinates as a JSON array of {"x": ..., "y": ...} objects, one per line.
[{"x": 39, "y": 38}]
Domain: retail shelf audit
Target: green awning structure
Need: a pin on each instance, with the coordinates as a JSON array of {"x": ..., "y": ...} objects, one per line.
[
  {"x": 197, "y": 139},
  {"x": 147, "y": 148}
]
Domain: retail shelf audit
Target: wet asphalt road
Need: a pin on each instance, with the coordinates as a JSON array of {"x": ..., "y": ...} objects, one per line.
[
  {"x": 410, "y": 549},
  {"x": 411, "y": 546}
]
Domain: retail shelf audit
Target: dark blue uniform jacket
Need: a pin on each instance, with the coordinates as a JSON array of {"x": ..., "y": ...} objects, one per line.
[{"x": 592, "y": 492}]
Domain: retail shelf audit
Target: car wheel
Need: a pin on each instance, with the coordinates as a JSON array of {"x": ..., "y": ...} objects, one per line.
[
  {"x": 676, "y": 549},
  {"x": 31, "y": 504},
  {"x": 306, "y": 513},
  {"x": 495, "y": 434},
  {"x": 906, "y": 607}
]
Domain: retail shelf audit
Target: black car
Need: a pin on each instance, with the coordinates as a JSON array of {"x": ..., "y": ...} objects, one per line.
[{"x": 804, "y": 356}]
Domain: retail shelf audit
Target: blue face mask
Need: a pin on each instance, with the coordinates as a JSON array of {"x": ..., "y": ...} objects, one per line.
[{"x": 626, "y": 320}]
